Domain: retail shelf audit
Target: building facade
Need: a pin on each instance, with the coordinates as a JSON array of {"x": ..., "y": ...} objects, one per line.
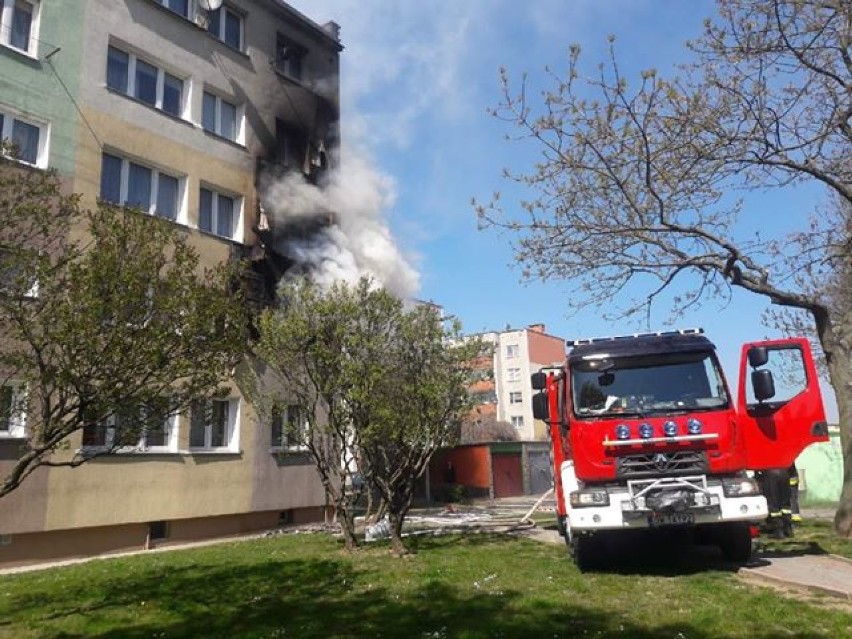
[
  {"x": 182, "y": 112},
  {"x": 503, "y": 389}
]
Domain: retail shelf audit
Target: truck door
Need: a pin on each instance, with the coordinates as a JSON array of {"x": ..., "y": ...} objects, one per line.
[{"x": 779, "y": 402}]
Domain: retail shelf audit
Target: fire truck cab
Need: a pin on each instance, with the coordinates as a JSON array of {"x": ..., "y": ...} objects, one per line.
[{"x": 647, "y": 435}]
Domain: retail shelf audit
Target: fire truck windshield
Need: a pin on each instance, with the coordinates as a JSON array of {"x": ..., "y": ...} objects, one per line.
[{"x": 650, "y": 384}]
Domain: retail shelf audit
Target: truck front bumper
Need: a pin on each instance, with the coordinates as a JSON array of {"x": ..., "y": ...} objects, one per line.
[{"x": 627, "y": 508}]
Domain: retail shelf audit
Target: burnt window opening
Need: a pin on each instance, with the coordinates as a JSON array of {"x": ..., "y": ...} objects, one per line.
[
  {"x": 289, "y": 57},
  {"x": 291, "y": 145}
]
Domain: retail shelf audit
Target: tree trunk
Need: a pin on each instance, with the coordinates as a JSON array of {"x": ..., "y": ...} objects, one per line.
[
  {"x": 836, "y": 342},
  {"x": 841, "y": 378},
  {"x": 397, "y": 545},
  {"x": 347, "y": 526}
]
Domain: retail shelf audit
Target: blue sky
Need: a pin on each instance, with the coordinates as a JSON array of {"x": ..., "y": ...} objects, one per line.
[{"x": 416, "y": 81}]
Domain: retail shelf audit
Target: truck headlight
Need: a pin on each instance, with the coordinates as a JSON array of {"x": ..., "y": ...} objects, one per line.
[
  {"x": 645, "y": 431},
  {"x": 670, "y": 429},
  {"x": 740, "y": 487},
  {"x": 622, "y": 431},
  {"x": 585, "y": 498},
  {"x": 693, "y": 426}
]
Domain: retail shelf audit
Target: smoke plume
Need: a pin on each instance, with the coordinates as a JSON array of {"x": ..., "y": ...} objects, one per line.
[{"x": 339, "y": 230}]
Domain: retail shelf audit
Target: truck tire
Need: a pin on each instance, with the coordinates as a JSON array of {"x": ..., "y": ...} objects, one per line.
[
  {"x": 588, "y": 551},
  {"x": 735, "y": 542},
  {"x": 560, "y": 525}
]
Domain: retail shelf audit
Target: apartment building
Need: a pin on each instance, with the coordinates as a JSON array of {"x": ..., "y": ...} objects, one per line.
[
  {"x": 181, "y": 108},
  {"x": 503, "y": 388}
]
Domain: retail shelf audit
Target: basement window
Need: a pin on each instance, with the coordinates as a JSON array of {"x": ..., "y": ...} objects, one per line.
[{"x": 158, "y": 530}]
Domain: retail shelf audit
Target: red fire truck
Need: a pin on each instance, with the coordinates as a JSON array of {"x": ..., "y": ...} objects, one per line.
[{"x": 646, "y": 435}]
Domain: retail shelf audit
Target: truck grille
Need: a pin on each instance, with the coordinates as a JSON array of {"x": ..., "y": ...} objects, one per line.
[{"x": 656, "y": 464}]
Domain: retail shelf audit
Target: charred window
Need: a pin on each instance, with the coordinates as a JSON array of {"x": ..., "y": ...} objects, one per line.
[{"x": 289, "y": 57}]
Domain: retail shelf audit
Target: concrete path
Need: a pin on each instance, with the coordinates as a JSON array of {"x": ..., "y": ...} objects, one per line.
[{"x": 826, "y": 574}]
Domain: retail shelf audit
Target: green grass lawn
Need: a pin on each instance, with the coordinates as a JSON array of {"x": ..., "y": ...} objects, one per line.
[{"x": 305, "y": 586}]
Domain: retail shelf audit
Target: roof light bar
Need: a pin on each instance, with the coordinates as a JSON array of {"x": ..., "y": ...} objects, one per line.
[{"x": 595, "y": 340}]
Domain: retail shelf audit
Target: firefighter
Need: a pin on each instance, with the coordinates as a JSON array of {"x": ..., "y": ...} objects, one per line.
[
  {"x": 795, "y": 515},
  {"x": 776, "y": 489}
]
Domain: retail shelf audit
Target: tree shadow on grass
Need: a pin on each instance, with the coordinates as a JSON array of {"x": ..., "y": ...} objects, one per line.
[{"x": 325, "y": 597}]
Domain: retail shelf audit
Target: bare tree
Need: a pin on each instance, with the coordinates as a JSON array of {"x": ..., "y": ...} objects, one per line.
[{"x": 635, "y": 189}]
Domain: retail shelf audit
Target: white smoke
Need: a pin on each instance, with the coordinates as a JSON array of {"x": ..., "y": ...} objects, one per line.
[{"x": 348, "y": 235}]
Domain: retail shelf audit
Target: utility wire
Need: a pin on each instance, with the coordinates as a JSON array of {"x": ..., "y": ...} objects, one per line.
[{"x": 49, "y": 59}]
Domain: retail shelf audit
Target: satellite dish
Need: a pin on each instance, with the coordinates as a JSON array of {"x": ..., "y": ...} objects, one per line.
[{"x": 210, "y": 5}]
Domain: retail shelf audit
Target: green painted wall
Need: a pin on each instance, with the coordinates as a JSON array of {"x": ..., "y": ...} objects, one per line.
[
  {"x": 34, "y": 85},
  {"x": 821, "y": 468}
]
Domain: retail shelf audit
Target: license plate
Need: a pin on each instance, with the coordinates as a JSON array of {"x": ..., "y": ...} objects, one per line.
[{"x": 671, "y": 519}]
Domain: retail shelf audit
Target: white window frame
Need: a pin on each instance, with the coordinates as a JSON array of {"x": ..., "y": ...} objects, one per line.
[
  {"x": 232, "y": 432},
  {"x": 512, "y": 351},
  {"x": 18, "y": 416},
  {"x": 517, "y": 421},
  {"x": 285, "y": 446},
  {"x": 513, "y": 374},
  {"x": 239, "y": 124},
  {"x": 221, "y": 35},
  {"x": 516, "y": 397},
  {"x": 180, "y": 213},
  {"x": 237, "y": 222},
  {"x": 7, "y": 8},
  {"x": 9, "y": 117},
  {"x": 141, "y": 446},
  {"x": 130, "y": 92}
]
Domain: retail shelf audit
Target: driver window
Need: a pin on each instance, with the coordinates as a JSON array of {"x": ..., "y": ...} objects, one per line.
[{"x": 788, "y": 372}]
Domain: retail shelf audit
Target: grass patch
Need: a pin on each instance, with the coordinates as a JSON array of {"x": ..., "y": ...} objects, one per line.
[{"x": 475, "y": 586}]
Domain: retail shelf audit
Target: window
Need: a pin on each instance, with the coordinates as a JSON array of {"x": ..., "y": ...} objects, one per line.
[
  {"x": 227, "y": 26},
  {"x": 289, "y": 428},
  {"x": 180, "y": 7},
  {"x": 158, "y": 530},
  {"x": 132, "y": 76},
  {"x": 515, "y": 397},
  {"x": 517, "y": 422},
  {"x": 220, "y": 117},
  {"x": 27, "y": 137},
  {"x": 213, "y": 425},
  {"x": 19, "y": 24},
  {"x": 128, "y": 183},
  {"x": 217, "y": 213},
  {"x": 513, "y": 374},
  {"x": 150, "y": 428},
  {"x": 512, "y": 350},
  {"x": 289, "y": 57},
  {"x": 17, "y": 273},
  {"x": 13, "y": 413}
]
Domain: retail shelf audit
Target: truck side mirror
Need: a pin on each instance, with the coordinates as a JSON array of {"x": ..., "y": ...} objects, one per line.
[
  {"x": 758, "y": 356},
  {"x": 762, "y": 384},
  {"x": 538, "y": 381},
  {"x": 540, "y": 407}
]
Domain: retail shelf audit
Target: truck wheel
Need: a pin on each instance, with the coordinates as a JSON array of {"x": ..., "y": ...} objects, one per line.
[
  {"x": 735, "y": 542},
  {"x": 587, "y": 551},
  {"x": 560, "y": 525}
]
